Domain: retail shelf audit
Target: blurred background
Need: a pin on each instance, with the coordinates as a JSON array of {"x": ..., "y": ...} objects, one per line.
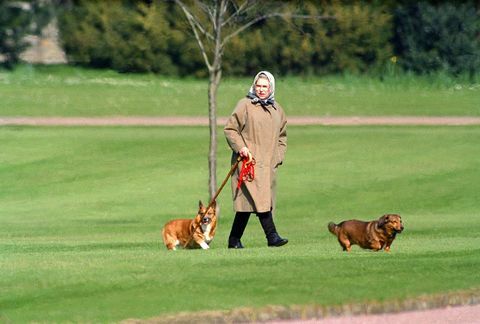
[{"x": 356, "y": 37}]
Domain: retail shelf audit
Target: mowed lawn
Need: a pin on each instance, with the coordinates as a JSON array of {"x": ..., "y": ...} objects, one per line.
[
  {"x": 66, "y": 91},
  {"x": 82, "y": 209}
]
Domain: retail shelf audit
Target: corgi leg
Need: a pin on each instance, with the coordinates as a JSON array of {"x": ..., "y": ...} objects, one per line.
[
  {"x": 171, "y": 243},
  {"x": 204, "y": 245},
  {"x": 171, "y": 246}
]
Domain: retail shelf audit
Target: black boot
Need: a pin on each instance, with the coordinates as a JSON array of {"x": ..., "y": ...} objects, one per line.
[
  {"x": 238, "y": 227},
  {"x": 273, "y": 239},
  {"x": 234, "y": 243}
]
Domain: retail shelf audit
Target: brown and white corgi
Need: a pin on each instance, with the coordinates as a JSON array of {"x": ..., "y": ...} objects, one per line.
[{"x": 191, "y": 233}]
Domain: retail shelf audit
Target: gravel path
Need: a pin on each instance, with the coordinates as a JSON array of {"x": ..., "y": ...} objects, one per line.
[
  {"x": 449, "y": 315},
  {"x": 203, "y": 121},
  {"x": 450, "y": 307}
]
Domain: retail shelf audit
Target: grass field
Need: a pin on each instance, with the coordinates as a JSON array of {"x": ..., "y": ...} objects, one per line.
[
  {"x": 82, "y": 209},
  {"x": 67, "y": 91}
]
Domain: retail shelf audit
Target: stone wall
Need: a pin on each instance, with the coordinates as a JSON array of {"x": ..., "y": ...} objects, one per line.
[{"x": 45, "y": 49}]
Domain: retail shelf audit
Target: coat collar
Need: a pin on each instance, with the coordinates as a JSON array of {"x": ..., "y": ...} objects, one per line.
[{"x": 264, "y": 103}]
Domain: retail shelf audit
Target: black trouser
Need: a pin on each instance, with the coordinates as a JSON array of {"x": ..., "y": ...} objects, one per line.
[{"x": 241, "y": 220}]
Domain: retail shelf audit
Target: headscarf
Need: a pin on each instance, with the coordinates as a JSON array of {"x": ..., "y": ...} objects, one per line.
[{"x": 252, "y": 95}]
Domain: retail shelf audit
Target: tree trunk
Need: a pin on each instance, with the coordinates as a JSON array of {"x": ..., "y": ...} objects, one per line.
[
  {"x": 213, "y": 84},
  {"x": 215, "y": 76}
]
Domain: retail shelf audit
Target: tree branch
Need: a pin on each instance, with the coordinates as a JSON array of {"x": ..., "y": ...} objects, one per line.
[
  {"x": 213, "y": 15},
  {"x": 192, "y": 18},
  {"x": 223, "y": 7},
  {"x": 237, "y": 12},
  {"x": 195, "y": 32},
  {"x": 247, "y": 25},
  {"x": 275, "y": 14},
  {"x": 311, "y": 17}
]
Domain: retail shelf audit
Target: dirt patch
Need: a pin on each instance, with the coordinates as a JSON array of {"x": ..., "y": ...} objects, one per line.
[
  {"x": 427, "y": 309},
  {"x": 203, "y": 121},
  {"x": 448, "y": 315}
]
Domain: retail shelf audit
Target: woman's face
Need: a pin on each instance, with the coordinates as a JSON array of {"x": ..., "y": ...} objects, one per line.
[{"x": 262, "y": 88}]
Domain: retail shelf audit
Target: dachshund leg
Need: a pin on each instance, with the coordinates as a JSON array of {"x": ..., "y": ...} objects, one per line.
[{"x": 345, "y": 243}]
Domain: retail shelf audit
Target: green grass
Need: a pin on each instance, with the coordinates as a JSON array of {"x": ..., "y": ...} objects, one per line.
[
  {"x": 82, "y": 209},
  {"x": 67, "y": 91}
]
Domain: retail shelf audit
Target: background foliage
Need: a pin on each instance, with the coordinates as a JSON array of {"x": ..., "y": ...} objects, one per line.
[
  {"x": 351, "y": 37},
  {"x": 340, "y": 37},
  {"x": 355, "y": 40},
  {"x": 445, "y": 37},
  {"x": 126, "y": 37},
  {"x": 120, "y": 35},
  {"x": 17, "y": 20}
]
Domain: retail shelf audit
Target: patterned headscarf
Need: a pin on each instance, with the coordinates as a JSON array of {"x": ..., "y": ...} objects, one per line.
[{"x": 252, "y": 95}]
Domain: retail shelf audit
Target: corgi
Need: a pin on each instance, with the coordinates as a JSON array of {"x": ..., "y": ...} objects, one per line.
[{"x": 191, "y": 233}]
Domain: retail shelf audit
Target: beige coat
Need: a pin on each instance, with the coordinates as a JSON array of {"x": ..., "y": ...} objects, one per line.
[{"x": 264, "y": 132}]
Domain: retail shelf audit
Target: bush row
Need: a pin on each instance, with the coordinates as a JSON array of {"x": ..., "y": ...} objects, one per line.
[
  {"x": 153, "y": 36},
  {"x": 445, "y": 38}
]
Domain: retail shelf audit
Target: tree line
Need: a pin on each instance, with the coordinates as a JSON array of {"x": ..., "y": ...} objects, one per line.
[{"x": 325, "y": 37}]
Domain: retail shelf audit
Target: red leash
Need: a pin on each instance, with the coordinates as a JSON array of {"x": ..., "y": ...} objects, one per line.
[
  {"x": 247, "y": 172},
  {"x": 212, "y": 201}
]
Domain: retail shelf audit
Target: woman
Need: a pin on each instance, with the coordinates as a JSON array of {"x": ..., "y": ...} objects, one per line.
[{"x": 257, "y": 128}]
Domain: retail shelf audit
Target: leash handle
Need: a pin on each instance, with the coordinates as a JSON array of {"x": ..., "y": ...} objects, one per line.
[{"x": 247, "y": 172}]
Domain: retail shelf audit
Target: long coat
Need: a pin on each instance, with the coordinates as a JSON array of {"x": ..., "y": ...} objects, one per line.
[{"x": 263, "y": 129}]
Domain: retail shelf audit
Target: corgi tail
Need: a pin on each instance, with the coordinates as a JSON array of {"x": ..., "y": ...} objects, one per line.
[{"x": 166, "y": 238}]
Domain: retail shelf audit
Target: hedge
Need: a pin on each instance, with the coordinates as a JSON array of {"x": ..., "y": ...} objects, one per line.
[{"x": 358, "y": 37}]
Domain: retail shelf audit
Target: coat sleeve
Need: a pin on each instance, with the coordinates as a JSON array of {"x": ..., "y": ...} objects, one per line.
[
  {"x": 233, "y": 128},
  {"x": 282, "y": 139}
]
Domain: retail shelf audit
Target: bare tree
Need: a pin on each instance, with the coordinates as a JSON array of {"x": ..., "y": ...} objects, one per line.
[{"x": 214, "y": 23}]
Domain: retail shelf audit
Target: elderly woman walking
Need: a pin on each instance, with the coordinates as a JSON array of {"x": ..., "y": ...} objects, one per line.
[{"x": 257, "y": 129}]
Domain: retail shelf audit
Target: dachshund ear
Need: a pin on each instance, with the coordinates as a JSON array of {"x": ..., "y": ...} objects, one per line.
[{"x": 382, "y": 220}]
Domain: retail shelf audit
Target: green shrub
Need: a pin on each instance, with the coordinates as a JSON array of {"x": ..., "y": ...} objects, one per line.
[
  {"x": 432, "y": 38},
  {"x": 358, "y": 39},
  {"x": 154, "y": 37},
  {"x": 353, "y": 38},
  {"x": 125, "y": 37}
]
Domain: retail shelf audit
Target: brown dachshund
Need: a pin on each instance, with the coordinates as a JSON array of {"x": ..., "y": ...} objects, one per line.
[{"x": 375, "y": 235}]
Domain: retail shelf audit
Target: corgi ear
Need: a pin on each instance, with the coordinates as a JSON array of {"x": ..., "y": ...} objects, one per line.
[
  {"x": 200, "y": 204},
  {"x": 214, "y": 205},
  {"x": 195, "y": 223},
  {"x": 198, "y": 218}
]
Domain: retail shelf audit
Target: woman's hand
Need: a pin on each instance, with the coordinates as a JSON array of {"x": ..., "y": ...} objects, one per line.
[{"x": 245, "y": 152}]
